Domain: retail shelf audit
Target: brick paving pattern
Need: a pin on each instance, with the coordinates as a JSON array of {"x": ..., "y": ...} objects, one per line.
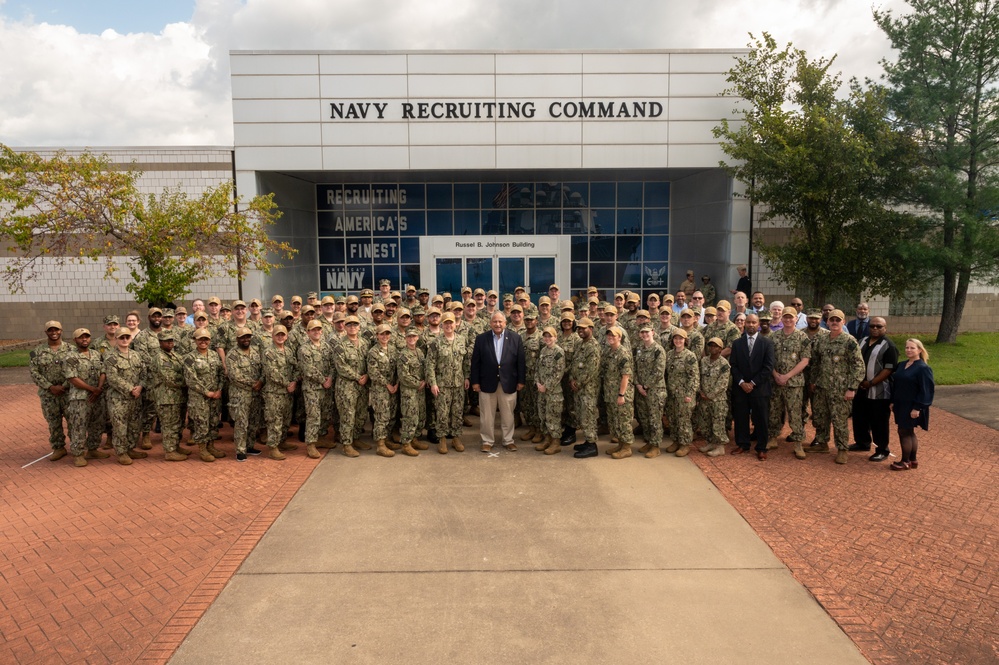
[
  {"x": 112, "y": 564},
  {"x": 904, "y": 561}
]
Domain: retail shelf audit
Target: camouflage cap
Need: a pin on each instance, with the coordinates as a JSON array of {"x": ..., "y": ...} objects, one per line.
[
  {"x": 646, "y": 328},
  {"x": 585, "y": 322},
  {"x": 422, "y": 291},
  {"x": 710, "y": 311},
  {"x": 351, "y": 319},
  {"x": 643, "y": 312},
  {"x": 294, "y": 299},
  {"x": 313, "y": 324},
  {"x": 53, "y": 324},
  {"x": 507, "y": 297},
  {"x": 226, "y": 307},
  {"x": 311, "y": 295},
  {"x": 530, "y": 314},
  {"x": 279, "y": 330},
  {"x": 412, "y": 332},
  {"x": 384, "y": 282},
  {"x": 725, "y": 305},
  {"x": 383, "y": 328},
  {"x": 447, "y": 317},
  {"x": 154, "y": 310},
  {"x": 169, "y": 313},
  {"x": 717, "y": 342},
  {"x": 813, "y": 313},
  {"x": 214, "y": 300},
  {"x": 549, "y": 331},
  {"x": 166, "y": 336},
  {"x": 111, "y": 318},
  {"x": 764, "y": 316},
  {"x": 244, "y": 331},
  {"x": 202, "y": 333},
  {"x": 340, "y": 300},
  {"x": 256, "y": 303},
  {"x": 240, "y": 303},
  {"x": 418, "y": 310},
  {"x": 267, "y": 311},
  {"x": 679, "y": 332},
  {"x": 80, "y": 332}
]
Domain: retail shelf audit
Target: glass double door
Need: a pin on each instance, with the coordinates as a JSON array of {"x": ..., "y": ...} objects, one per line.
[{"x": 502, "y": 273}]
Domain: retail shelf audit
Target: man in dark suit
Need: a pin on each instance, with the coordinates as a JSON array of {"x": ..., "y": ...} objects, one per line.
[
  {"x": 497, "y": 374},
  {"x": 753, "y": 363}
]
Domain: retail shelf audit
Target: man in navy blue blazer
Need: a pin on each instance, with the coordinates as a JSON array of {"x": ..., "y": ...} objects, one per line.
[
  {"x": 498, "y": 372},
  {"x": 752, "y": 361}
]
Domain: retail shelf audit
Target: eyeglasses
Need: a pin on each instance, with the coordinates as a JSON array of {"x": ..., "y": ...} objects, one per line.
[
  {"x": 876, "y": 325},
  {"x": 698, "y": 298}
]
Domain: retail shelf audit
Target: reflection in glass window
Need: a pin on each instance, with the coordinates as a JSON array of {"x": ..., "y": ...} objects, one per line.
[
  {"x": 390, "y": 273},
  {"x": 629, "y": 220},
  {"x": 331, "y": 251},
  {"x": 413, "y": 223},
  {"x": 548, "y": 195},
  {"x": 494, "y": 222},
  {"x": 628, "y": 275},
  {"x": 629, "y": 248},
  {"x": 328, "y": 226},
  {"x": 466, "y": 222},
  {"x": 439, "y": 196},
  {"x": 511, "y": 274},
  {"x": 575, "y": 195},
  {"x": 521, "y": 222},
  {"x": 466, "y": 195},
  {"x": 541, "y": 271},
  {"x": 629, "y": 195},
  {"x": 449, "y": 275},
  {"x": 602, "y": 275},
  {"x": 655, "y": 248},
  {"x": 409, "y": 250},
  {"x": 521, "y": 196},
  {"x": 657, "y": 220},
  {"x": 411, "y": 274},
  {"x": 496, "y": 195},
  {"x": 657, "y": 195},
  {"x": 479, "y": 272},
  {"x": 549, "y": 221},
  {"x": 580, "y": 248},
  {"x": 413, "y": 196},
  {"x": 578, "y": 277},
  {"x": 577, "y": 221},
  {"x": 603, "y": 220},
  {"x": 602, "y": 248},
  {"x": 603, "y": 194},
  {"x": 439, "y": 223}
]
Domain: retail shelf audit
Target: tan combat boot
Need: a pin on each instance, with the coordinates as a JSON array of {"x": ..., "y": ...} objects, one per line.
[
  {"x": 419, "y": 445},
  {"x": 57, "y": 454},
  {"x": 773, "y": 443},
  {"x": 624, "y": 452},
  {"x": 362, "y": 445},
  {"x": 124, "y": 459},
  {"x": 672, "y": 448},
  {"x": 841, "y": 456},
  {"x": 458, "y": 445},
  {"x": 716, "y": 450},
  {"x": 277, "y": 454},
  {"x": 350, "y": 451},
  {"x": 218, "y": 454},
  {"x": 646, "y": 448},
  {"x": 396, "y": 438},
  {"x": 137, "y": 454},
  {"x": 538, "y": 437},
  {"x": 287, "y": 446},
  {"x": 615, "y": 449},
  {"x": 653, "y": 451},
  {"x": 554, "y": 446},
  {"x": 312, "y": 451},
  {"x": 408, "y": 449},
  {"x": 798, "y": 450},
  {"x": 330, "y": 444},
  {"x": 203, "y": 453},
  {"x": 79, "y": 460},
  {"x": 528, "y": 435},
  {"x": 383, "y": 449},
  {"x": 545, "y": 442},
  {"x": 442, "y": 446},
  {"x": 97, "y": 454},
  {"x": 683, "y": 451},
  {"x": 174, "y": 456},
  {"x": 144, "y": 441}
]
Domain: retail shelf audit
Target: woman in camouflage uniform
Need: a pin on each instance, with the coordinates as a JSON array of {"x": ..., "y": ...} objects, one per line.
[
  {"x": 123, "y": 372},
  {"x": 650, "y": 383},
  {"x": 384, "y": 387},
  {"x": 569, "y": 340},
  {"x": 713, "y": 397},
  {"x": 315, "y": 363},
  {"x": 548, "y": 379},
  {"x": 412, "y": 405},
  {"x": 682, "y": 382},
  {"x": 203, "y": 374},
  {"x": 350, "y": 358},
  {"x": 447, "y": 375}
]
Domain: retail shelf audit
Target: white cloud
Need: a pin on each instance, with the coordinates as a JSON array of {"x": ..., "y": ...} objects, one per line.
[{"x": 61, "y": 87}]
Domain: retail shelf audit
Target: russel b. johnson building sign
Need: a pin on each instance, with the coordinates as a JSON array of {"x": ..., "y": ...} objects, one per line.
[{"x": 490, "y": 168}]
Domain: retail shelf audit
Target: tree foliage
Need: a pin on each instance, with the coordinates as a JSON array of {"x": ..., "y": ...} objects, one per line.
[
  {"x": 86, "y": 209},
  {"x": 827, "y": 167},
  {"x": 944, "y": 87}
]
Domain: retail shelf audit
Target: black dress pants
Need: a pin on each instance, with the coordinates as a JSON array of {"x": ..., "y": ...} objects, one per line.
[
  {"x": 746, "y": 406},
  {"x": 871, "y": 421}
]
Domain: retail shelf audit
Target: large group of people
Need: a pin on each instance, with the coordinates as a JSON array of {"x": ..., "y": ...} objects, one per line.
[{"x": 418, "y": 366}]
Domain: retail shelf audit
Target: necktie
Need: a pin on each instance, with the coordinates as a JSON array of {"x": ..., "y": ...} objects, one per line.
[{"x": 752, "y": 340}]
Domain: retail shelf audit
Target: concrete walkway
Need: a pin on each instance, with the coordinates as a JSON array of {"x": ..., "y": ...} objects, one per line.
[{"x": 513, "y": 557}]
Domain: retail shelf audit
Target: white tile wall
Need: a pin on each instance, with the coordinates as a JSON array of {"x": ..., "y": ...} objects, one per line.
[
  {"x": 261, "y": 63},
  {"x": 363, "y": 63}
]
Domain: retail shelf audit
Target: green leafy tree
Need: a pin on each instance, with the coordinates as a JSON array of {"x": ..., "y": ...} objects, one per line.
[
  {"x": 827, "y": 168},
  {"x": 944, "y": 86},
  {"x": 84, "y": 208}
]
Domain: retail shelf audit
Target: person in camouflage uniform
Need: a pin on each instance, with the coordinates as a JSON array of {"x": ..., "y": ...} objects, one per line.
[
  {"x": 548, "y": 381},
  {"x": 166, "y": 376},
  {"x": 350, "y": 358},
  {"x": 203, "y": 375},
  {"x": 792, "y": 351},
  {"x": 297, "y": 336},
  {"x": 123, "y": 374},
  {"x": 584, "y": 382},
  {"x": 695, "y": 340},
  {"x": 411, "y": 370},
  {"x": 246, "y": 380},
  {"x": 48, "y": 371},
  {"x": 315, "y": 364},
  {"x": 683, "y": 381},
  {"x": 103, "y": 345},
  {"x": 837, "y": 370},
  {"x": 147, "y": 343},
  {"x": 813, "y": 330},
  {"x": 716, "y": 375},
  {"x": 650, "y": 383},
  {"x": 527, "y": 400},
  {"x": 83, "y": 415},
  {"x": 448, "y": 366},
  {"x": 280, "y": 382},
  {"x": 569, "y": 340},
  {"x": 383, "y": 389},
  {"x": 617, "y": 370}
]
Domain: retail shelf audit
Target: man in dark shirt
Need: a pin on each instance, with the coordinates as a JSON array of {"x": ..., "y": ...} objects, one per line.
[{"x": 872, "y": 402}]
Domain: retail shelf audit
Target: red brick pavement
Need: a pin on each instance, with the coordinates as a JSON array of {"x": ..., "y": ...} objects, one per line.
[
  {"x": 904, "y": 561},
  {"x": 112, "y": 564}
]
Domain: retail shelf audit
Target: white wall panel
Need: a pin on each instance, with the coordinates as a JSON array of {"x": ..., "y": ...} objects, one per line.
[
  {"x": 467, "y": 132},
  {"x": 462, "y": 86},
  {"x": 538, "y": 63},
  {"x": 691, "y": 131},
  {"x": 625, "y": 156},
  {"x": 274, "y": 87},
  {"x": 626, "y": 63},
  {"x": 245, "y": 63},
  {"x": 365, "y": 133},
  {"x": 699, "y": 63},
  {"x": 278, "y": 158},
  {"x": 370, "y": 158},
  {"x": 705, "y": 155},
  {"x": 452, "y": 157},
  {"x": 363, "y": 63},
  {"x": 450, "y": 63},
  {"x": 275, "y": 134},
  {"x": 626, "y": 85},
  {"x": 702, "y": 108},
  {"x": 697, "y": 85},
  {"x": 539, "y": 132},
  {"x": 362, "y": 87},
  {"x": 537, "y": 85},
  {"x": 536, "y": 156},
  {"x": 276, "y": 110},
  {"x": 611, "y": 131}
]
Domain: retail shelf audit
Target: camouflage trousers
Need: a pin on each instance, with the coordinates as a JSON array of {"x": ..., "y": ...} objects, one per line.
[
  {"x": 245, "y": 411},
  {"x": 586, "y": 410},
  {"x": 147, "y": 411},
  {"x": 383, "y": 406},
  {"x": 430, "y": 408},
  {"x": 352, "y": 403},
  {"x": 54, "y": 410},
  {"x": 649, "y": 409},
  {"x": 86, "y": 424},
  {"x": 715, "y": 414},
  {"x": 549, "y": 411},
  {"x": 126, "y": 421},
  {"x": 277, "y": 416},
  {"x": 681, "y": 415},
  {"x": 318, "y": 405},
  {"x": 203, "y": 417},
  {"x": 570, "y": 417},
  {"x": 619, "y": 419},
  {"x": 527, "y": 400},
  {"x": 787, "y": 400},
  {"x": 413, "y": 412},
  {"x": 449, "y": 402},
  {"x": 829, "y": 408},
  {"x": 171, "y": 425}
]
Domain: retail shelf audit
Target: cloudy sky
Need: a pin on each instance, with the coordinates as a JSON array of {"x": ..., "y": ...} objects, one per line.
[{"x": 122, "y": 72}]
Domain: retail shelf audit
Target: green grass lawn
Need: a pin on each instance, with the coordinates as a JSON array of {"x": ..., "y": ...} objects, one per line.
[
  {"x": 972, "y": 359},
  {"x": 14, "y": 358}
]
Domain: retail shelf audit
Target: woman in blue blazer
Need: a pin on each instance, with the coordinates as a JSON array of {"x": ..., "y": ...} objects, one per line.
[{"x": 912, "y": 394}]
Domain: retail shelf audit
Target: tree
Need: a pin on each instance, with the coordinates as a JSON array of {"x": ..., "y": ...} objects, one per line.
[
  {"x": 85, "y": 208},
  {"x": 943, "y": 87},
  {"x": 825, "y": 167}
]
